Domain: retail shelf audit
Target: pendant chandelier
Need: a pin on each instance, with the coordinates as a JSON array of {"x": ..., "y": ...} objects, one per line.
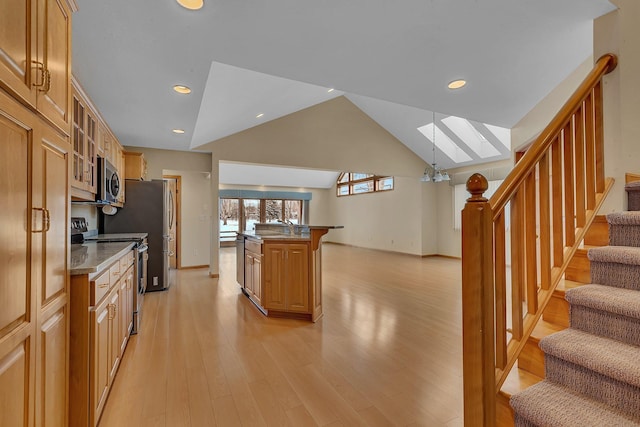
[{"x": 434, "y": 173}]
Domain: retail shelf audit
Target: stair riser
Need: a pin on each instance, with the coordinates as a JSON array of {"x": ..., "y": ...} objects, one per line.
[
  {"x": 557, "y": 310},
  {"x": 605, "y": 324},
  {"x": 532, "y": 358},
  {"x": 578, "y": 268},
  {"x": 619, "y": 395},
  {"x": 624, "y": 235},
  {"x": 617, "y": 275}
]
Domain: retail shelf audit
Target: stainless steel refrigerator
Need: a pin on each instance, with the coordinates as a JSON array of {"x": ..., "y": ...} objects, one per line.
[{"x": 148, "y": 208}]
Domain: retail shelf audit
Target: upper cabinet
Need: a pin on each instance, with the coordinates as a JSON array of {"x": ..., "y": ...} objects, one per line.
[
  {"x": 35, "y": 56},
  {"x": 135, "y": 166},
  {"x": 90, "y": 138},
  {"x": 84, "y": 136}
]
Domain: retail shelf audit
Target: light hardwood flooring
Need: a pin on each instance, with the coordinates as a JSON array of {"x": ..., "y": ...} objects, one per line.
[{"x": 388, "y": 350}]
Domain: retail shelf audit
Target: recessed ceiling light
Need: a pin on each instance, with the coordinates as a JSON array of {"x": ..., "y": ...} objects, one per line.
[
  {"x": 191, "y": 4},
  {"x": 259, "y": 115},
  {"x": 457, "y": 84},
  {"x": 331, "y": 90},
  {"x": 182, "y": 89},
  {"x": 178, "y": 131}
]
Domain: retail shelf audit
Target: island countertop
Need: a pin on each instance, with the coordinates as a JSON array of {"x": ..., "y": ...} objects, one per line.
[{"x": 92, "y": 257}]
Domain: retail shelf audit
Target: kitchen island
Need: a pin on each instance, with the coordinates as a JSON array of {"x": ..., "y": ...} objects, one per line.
[{"x": 282, "y": 269}]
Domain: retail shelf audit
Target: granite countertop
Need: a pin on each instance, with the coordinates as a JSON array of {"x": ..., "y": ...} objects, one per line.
[
  {"x": 120, "y": 236},
  {"x": 270, "y": 235},
  {"x": 93, "y": 257}
]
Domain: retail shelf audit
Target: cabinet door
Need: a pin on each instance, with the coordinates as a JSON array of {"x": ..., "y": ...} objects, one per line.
[
  {"x": 91, "y": 152},
  {"x": 297, "y": 278},
  {"x": 248, "y": 272},
  {"x": 35, "y": 56},
  {"x": 17, "y": 292},
  {"x": 256, "y": 274},
  {"x": 54, "y": 52},
  {"x": 123, "y": 325},
  {"x": 100, "y": 368},
  {"x": 50, "y": 248},
  {"x": 18, "y": 49},
  {"x": 114, "y": 332},
  {"x": 126, "y": 317},
  {"x": 79, "y": 143},
  {"x": 52, "y": 397},
  {"x": 275, "y": 277}
]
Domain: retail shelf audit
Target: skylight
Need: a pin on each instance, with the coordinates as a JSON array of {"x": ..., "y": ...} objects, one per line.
[
  {"x": 445, "y": 144},
  {"x": 471, "y": 136},
  {"x": 503, "y": 134}
]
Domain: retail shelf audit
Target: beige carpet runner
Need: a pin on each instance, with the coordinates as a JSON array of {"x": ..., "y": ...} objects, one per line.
[{"x": 592, "y": 369}]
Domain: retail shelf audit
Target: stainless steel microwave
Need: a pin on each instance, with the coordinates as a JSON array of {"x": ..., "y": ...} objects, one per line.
[{"x": 109, "y": 181}]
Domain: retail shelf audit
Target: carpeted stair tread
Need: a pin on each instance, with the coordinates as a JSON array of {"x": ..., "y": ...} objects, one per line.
[
  {"x": 615, "y": 254},
  {"x": 549, "y": 404},
  {"x": 624, "y": 218},
  {"x": 602, "y": 355},
  {"x": 625, "y": 302}
]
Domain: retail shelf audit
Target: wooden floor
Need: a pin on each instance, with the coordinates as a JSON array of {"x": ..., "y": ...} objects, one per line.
[{"x": 386, "y": 352}]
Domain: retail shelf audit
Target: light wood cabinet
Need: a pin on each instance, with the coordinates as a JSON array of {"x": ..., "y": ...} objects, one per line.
[
  {"x": 287, "y": 277},
  {"x": 253, "y": 275},
  {"x": 84, "y": 139},
  {"x": 135, "y": 166},
  {"x": 102, "y": 317},
  {"x": 35, "y": 57},
  {"x": 101, "y": 369},
  {"x": 34, "y": 317}
]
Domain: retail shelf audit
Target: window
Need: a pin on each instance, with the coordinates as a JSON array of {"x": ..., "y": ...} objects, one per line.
[
  {"x": 238, "y": 214},
  {"x": 349, "y": 183}
]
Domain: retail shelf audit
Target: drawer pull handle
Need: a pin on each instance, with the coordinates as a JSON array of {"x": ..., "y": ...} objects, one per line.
[{"x": 103, "y": 285}]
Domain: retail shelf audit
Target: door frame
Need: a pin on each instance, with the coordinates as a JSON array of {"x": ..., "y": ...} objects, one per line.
[{"x": 178, "y": 179}]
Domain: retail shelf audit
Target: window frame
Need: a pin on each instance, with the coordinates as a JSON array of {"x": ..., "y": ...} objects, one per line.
[{"x": 350, "y": 183}]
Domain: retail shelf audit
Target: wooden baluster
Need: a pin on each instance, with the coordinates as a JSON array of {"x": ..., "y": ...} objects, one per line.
[
  {"x": 530, "y": 240},
  {"x": 545, "y": 223},
  {"x": 569, "y": 213},
  {"x": 517, "y": 263},
  {"x": 556, "y": 178},
  {"x": 599, "y": 137},
  {"x": 580, "y": 182},
  {"x": 501, "y": 291},
  {"x": 590, "y": 152},
  {"x": 478, "y": 307}
]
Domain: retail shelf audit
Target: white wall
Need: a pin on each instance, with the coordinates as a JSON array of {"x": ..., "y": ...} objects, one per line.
[
  {"x": 195, "y": 217},
  {"x": 618, "y": 32},
  {"x": 196, "y": 207},
  {"x": 388, "y": 220}
]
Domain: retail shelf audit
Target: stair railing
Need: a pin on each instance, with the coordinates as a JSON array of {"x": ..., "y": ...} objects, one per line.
[{"x": 516, "y": 245}]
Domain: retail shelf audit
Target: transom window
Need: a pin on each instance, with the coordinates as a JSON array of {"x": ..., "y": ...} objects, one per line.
[{"x": 350, "y": 183}]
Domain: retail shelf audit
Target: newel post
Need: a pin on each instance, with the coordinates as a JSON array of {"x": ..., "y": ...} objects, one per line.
[{"x": 478, "y": 350}]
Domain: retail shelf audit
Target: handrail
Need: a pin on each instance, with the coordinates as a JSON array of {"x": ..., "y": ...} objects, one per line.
[
  {"x": 605, "y": 64},
  {"x": 513, "y": 259}
]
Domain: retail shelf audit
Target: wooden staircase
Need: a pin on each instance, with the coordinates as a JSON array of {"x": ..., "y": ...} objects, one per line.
[{"x": 530, "y": 365}]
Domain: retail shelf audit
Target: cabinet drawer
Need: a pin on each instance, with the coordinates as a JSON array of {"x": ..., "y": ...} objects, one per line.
[
  {"x": 253, "y": 246},
  {"x": 99, "y": 287},
  {"x": 126, "y": 261},
  {"x": 114, "y": 272}
]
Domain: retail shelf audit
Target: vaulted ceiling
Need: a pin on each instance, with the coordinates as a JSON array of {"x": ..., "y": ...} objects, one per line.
[{"x": 391, "y": 59}]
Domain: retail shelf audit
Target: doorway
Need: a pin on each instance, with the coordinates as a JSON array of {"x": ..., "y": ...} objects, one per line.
[{"x": 173, "y": 215}]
